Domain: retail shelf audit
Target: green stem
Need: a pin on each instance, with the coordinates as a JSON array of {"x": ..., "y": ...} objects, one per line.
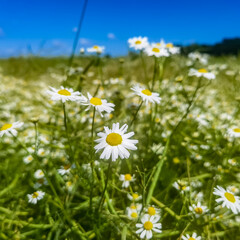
[{"x": 135, "y": 115}]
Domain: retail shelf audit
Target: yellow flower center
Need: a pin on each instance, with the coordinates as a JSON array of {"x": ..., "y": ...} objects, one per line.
[
  {"x": 114, "y": 139},
  {"x": 96, "y": 101},
  {"x": 135, "y": 196},
  {"x": 66, "y": 167},
  {"x": 35, "y": 195},
  {"x": 169, "y": 45},
  {"x": 64, "y": 92},
  {"x": 176, "y": 160},
  {"x": 147, "y": 92},
  {"x": 6, "y": 126},
  {"x": 151, "y": 211},
  {"x": 133, "y": 207},
  {"x": 191, "y": 238},
  {"x": 96, "y": 47},
  {"x": 230, "y": 197},
  {"x": 41, "y": 173},
  {"x": 237, "y": 130},
  {"x": 134, "y": 215},
  {"x": 157, "y": 50},
  {"x": 202, "y": 70},
  {"x": 128, "y": 177},
  {"x": 198, "y": 210},
  {"x": 148, "y": 225},
  {"x": 69, "y": 184},
  {"x": 158, "y": 44},
  {"x": 138, "y": 42}
]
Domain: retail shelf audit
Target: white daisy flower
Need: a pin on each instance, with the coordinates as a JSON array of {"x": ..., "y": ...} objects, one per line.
[
  {"x": 39, "y": 174},
  {"x": 28, "y": 159},
  {"x": 115, "y": 142},
  {"x": 10, "y": 128},
  {"x": 198, "y": 210},
  {"x": 149, "y": 224},
  {"x": 132, "y": 213},
  {"x": 152, "y": 210},
  {"x": 64, "y": 169},
  {"x": 172, "y": 49},
  {"x": 228, "y": 199},
  {"x": 193, "y": 237},
  {"x": 34, "y": 197},
  {"x": 181, "y": 186},
  {"x": 138, "y": 43},
  {"x": 100, "y": 105},
  {"x": 42, "y": 152},
  {"x": 127, "y": 178},
  {"x": 134, "y": 197},
  {"x": 156, "y": 50},
  {"x": 146, "y": 94},
  {"x": 96, "y": 49},
  {"x": 64, "y": 94},
  {"x": 196, "y": 56},
  {"x": 234, "y": 132},
  {"x": 201, "y": 73},
  {"x": 233, "y": 189},
  {"x": 232, "y": 162},
  {"x": 69, "y": 185}
]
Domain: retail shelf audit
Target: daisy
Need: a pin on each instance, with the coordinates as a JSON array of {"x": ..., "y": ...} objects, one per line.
[
  {"x": 198, "y": 209},
  {"x": 64, "y": 94},
  {"x": 132, "y": 212},
  {"x": 152, "y": 210},
  {"x": 28, "y": 159},
  {"x": 146, "y": 94},
  {"x": 39, "y": 174},
  {"x": 234, "y": 132},
  {"x": 127, "y": 178},
  {"x": 228, "y": 199},
  {"x": 193, "y": 237},
  {"x": 115, "y": 142},
  {"x": 69, "y": 185},
  {"x": 34, "y": 197},
  {"x": 149, "y": 224},
  {"x": 100, "y": 105},
  {"x": 10, "y": 129},
  {"x": 134, "y": 197},
  {"x": 172, "y": 49},
  {"x": 196, "y": 56},
  {"x": 201, "y": 73},
  {"x": 156, "y": 50},
  {"x": 138, "y": 43},
  {"x": 64, "y": 169},
  {"x": 181, "y": 186},
  {"x": 96, "y": 49}
]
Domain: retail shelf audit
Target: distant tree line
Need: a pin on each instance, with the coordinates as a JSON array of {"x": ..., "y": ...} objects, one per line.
[{"x": 226, "y": 47}]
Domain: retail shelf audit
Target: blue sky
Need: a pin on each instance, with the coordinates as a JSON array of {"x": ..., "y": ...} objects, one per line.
[{"x": 46, "y": 27}]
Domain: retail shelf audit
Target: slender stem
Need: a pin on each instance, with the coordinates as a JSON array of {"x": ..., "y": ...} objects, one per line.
[
  {"x": 66, "y": 130},
  {"x": 189, "y": 179},
  {"x": 135, "y": 115},
  {"x": 91, "y": 160},
  {"x": 144, "y": 65},
  {"x": 106, "y": 183}
]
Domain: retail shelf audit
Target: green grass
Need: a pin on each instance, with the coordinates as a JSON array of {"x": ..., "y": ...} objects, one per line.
[{"x": 185, "y": 137}]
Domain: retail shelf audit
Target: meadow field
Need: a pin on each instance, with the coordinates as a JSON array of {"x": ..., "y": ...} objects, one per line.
[{"x": 144, "y": 146}]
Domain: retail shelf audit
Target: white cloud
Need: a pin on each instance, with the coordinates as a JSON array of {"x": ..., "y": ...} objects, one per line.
[
  {"x": 84, "y": 41},
  {"x": 111, "y": 36}
]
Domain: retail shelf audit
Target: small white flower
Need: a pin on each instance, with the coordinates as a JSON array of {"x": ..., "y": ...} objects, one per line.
[
  {"x": 34, "y": 197},
  {"x": 146, "y": 95},
  {"x": 156, "y": 50},
  {"x": 193, "y": 237},
  {"x": 64, "y": 169},
  {"x": 196, "y": 56},
  {"x": 64, "y": 94},
  {"x": 96, "y": 49},
  {"x": 172, "y": 49},
  {"x": 127, "y": 178},
  {"x": 133, "y": 211},
  {"x": 100, "y": 105},
  {"x": 198, "y": 210},
  {"x": 39, "y": 174},
  {"x": 138, "y": 43},
  {"x": 228, "y": 199},
  {"x": 28, "y": 159},
  {"x": 149, "y": 224},
  {"x": 234, "y": 132},
  {"x": 201, "y": 73},
  {"x": 181, "y": 186},
  {"x": 152, "y": 210},
  {"x": 134, "y": 197},
  {"x": 115, "y": 142},
  {"x": 10, "y": 129},
  {"x": 232, "y": 162},
  {"x": 42, "y": 152}
]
